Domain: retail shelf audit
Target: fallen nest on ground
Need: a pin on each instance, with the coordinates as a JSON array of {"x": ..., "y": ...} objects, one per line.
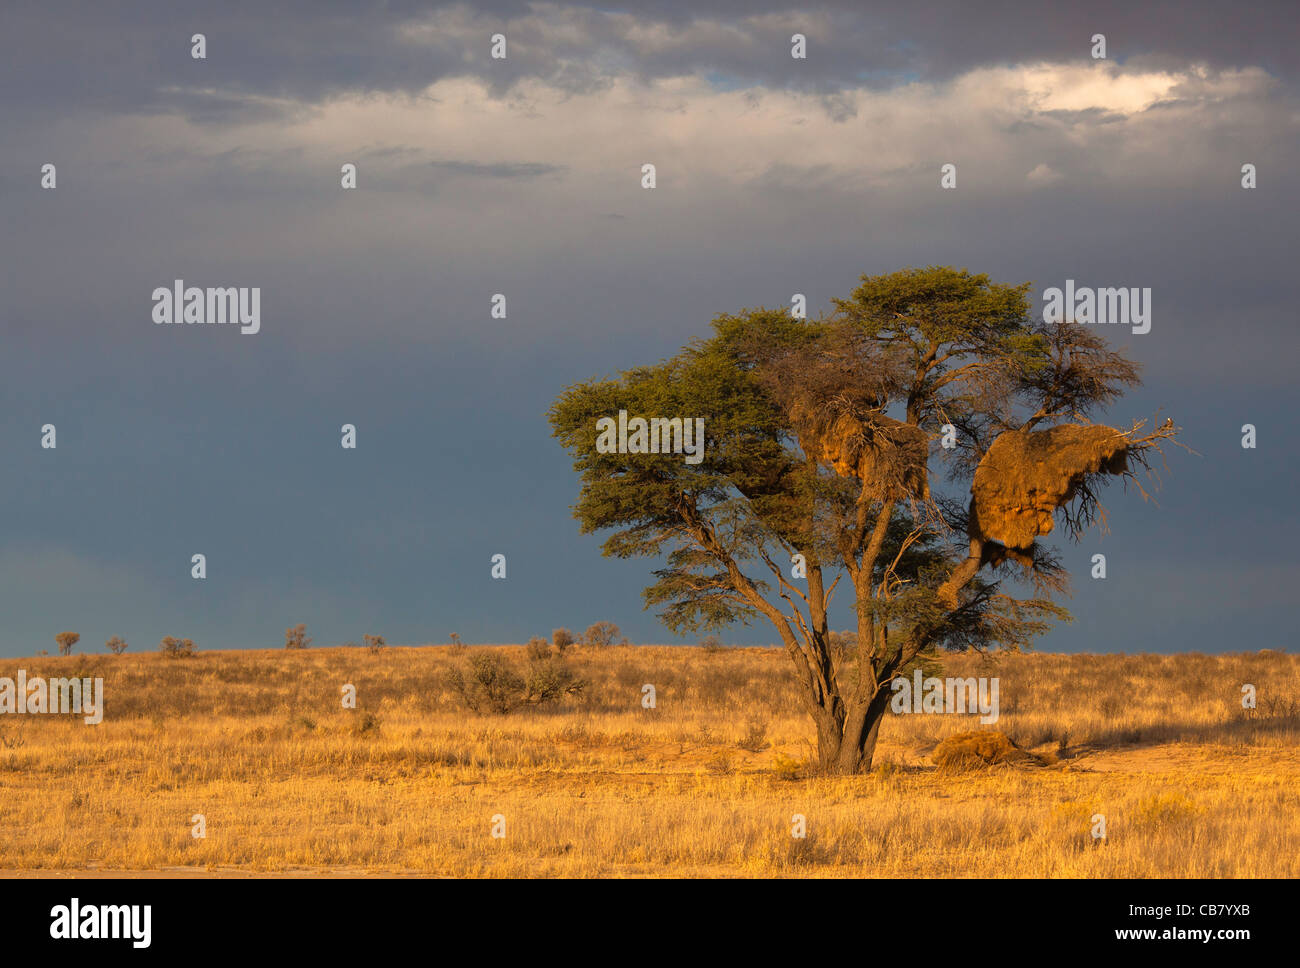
[{"x": 980, "y": 748}]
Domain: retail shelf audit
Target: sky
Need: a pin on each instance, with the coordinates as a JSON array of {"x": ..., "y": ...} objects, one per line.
[{"x": 522, "y": 176}]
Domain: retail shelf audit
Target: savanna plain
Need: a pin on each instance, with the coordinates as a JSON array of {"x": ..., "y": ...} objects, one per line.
[{"x": 708, "y": 782}]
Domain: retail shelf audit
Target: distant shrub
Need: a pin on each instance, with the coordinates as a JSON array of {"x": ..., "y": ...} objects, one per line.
[
  {"x": 1280, "y": 707},
  {"x": 720, "y": 765},
  {"x": 66, "y": 641},
  {"x": 550, "y": 680},
  {"x": 115, "y": 645},
  {"x": 375, "y": 643},
  {"x": 175, "y": 648},
  {"x": 538, "y": 649},
  {"x": 711, "y": 644},
  {"x": 296, "y": 637},
  {"x": 887, "y": 769},
  {"x": 755, "y": 740},
  {"x": 600, "y": 634},
  {"x": 489, "y": 684},
  {"x": 14, "y": 741},
  {"x": 843, "y": 645},
  {"x": 562, "y": 639},
  {"x": 786, "y": 767}
]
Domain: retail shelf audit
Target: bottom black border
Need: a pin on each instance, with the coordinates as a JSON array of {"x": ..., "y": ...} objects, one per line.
[{"x": 557, "y": 919}]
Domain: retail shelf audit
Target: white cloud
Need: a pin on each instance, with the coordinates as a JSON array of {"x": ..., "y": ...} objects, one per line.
[
  {"x": 694, "y": 132},
  {"x": 1042, "y": 174}
]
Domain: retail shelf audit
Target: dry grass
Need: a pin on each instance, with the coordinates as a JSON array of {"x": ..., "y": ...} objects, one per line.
[{"x": 705, "y": 784}]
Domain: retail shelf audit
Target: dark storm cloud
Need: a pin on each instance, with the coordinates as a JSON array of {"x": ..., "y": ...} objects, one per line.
[
  {"x": 376, "y": 300},
  {"x": 93, "y": 58}
]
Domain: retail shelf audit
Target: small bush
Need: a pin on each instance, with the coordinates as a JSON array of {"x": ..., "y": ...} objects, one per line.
[
  {"x": 720, "y": 765},
  {"x": 457, "y": 646},
  {"x": 562, "y": 639},
  {"x": 175, "y": 648},
  {"x": 296, "y": 637},
  {"x": 66, "y": 641},
  {"x": 490, "y": 685},
  {"x": 886, "y": 769},
  {"x": 115, "y": 645},
  {"x": 365, "y": 723},
  {"x": 375, "y": 643},
  {"x": 600, "y": 634},
  {"x": 843, "y": 645},
  {"x": 12, "y": 741},
  {"x": 549, "y": 681},
  {"x": 786, "y": 767},
  {"x": 755, "y": 740},
  {"x": 538, "y": 649},
  {"x": 711, "y": 644}
]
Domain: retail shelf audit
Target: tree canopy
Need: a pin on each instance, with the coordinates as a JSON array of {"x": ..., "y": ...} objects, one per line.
[{"x": 908, "y": 447}]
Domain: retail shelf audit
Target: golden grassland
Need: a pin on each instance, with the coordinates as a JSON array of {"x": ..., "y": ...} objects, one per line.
[{"x": 706, "y": 783}]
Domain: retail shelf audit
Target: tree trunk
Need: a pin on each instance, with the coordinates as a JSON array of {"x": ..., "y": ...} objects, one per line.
[
  {"x": 830, "y": 740},
  {"x": 852, "y": 751}
]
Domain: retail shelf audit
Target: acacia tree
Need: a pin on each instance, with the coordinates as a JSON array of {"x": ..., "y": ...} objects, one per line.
[{"x": 908, "y": 447}]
